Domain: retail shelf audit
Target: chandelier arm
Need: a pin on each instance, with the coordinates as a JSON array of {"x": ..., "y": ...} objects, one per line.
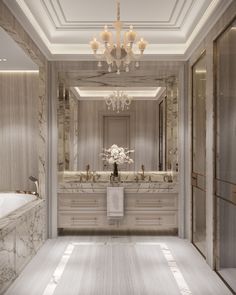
[
  {"x": 134, "y": 56},
  {"x": 118, "y": 100}
]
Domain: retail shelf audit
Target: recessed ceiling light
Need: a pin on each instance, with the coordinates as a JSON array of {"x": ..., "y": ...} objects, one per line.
[{"x": 3, "y": 59}]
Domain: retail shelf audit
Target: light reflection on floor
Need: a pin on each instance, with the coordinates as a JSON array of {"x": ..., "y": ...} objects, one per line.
[{"x": 178, "y": 276}]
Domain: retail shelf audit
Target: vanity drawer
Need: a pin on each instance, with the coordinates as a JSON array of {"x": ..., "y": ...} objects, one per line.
[
  {"x": 81, "y": 220},
  {"x": 81, "y": 201},
  {"x": 166, "y": 201},
  {"x": 163, "y": 220}
]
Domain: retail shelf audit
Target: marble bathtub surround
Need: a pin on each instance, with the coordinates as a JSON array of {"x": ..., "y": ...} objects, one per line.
[
  {"x": 9, "y": 202},
  {"x": 21, "y": 234}
]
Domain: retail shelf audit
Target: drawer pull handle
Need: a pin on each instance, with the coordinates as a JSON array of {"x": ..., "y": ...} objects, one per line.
[{"x": 74, "y": 203}]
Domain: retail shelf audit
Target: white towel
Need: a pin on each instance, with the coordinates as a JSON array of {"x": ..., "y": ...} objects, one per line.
[{"x": 115, "y": 202}]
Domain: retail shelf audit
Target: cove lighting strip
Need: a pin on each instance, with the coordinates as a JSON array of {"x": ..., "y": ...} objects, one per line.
[
  {"x": 178, "y": 276},
  {"x": 19, "y": 71},
  {"x": 143, "y": 93}
]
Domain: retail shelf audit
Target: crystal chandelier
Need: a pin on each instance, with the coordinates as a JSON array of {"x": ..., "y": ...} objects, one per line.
[
  {"x": 118, "y": 101},
  {"x": 118, "y": 54}
]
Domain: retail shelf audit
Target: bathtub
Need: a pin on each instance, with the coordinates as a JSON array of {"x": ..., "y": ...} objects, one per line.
[{"x": 11, "y": 201}]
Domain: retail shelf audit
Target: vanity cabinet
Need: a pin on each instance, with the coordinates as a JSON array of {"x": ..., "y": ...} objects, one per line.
[{"x": 142, "y": 212}]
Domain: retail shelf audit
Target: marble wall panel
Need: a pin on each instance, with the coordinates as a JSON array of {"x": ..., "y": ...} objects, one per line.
[
  {"x": 172, "y": 126},
  {"x": 74, "y": 133},
  {"x": 12, "y": 26},
  {"x": 19, "y": 128},
  {"x": 86, "y": 74},
  {"x": 31, "y": 232}
]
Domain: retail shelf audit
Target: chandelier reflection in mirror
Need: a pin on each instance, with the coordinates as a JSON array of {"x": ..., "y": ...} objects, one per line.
[
  {"x": 118, "y": 101},
  {"x": 118, "y": 55}
]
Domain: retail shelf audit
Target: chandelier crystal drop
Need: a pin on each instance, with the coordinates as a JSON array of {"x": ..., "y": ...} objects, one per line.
[
  {"x": 118, "y": 101},
  {"x": 118, "y": 54}
]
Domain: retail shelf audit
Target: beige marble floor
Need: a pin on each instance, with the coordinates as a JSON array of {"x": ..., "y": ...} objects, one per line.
[{"x": 110, "y": 265}]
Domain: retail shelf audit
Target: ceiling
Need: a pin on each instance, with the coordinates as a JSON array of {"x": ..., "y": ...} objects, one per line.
[
  {"x": 137, "y": 93},
  {"x": 12, "y": 57},
  {"x": 64, "y": 28}
]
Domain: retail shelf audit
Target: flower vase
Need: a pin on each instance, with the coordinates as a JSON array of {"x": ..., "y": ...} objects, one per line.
[{"x": 115, "y": 170}]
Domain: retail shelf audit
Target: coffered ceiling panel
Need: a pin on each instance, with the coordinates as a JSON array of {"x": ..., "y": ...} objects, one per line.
[
  {"x": 63, "y": 28},
  {"x": 74, "y": 14}
]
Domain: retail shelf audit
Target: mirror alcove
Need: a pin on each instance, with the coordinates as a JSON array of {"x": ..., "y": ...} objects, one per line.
[{"x": 149, "y": 126}]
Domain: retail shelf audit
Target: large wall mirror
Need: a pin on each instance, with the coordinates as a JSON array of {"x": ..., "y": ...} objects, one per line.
[{"x": 87, "y": 124}]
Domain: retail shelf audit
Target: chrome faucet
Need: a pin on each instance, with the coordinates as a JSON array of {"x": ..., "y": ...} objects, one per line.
[
  {"x": 36, "y": 182},
  {"x": 142, "y": 175},
  {"x": 94, "y": 176},
  {"x": 87, "y": 172}
]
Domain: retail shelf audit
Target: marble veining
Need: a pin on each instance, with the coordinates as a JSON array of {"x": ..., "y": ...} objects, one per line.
[
  {"x": 21, "y": 234},
  {"x": 7, "y": 259},
  {"x": 11, "y": 25},
  {"x": 129, "y": 187},
  {"x": 124, "y": 176},
  {"x": 29, "y": 236},
  {"x": 153, "y": 182}
]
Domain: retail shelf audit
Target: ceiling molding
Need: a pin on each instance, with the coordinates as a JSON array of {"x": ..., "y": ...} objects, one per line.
[
  {"x": 30, "y": 26},
  {"x": 56, "y": 43},
  {"x": 209, "y": 19},
  {"x": 55, "y": 10}
]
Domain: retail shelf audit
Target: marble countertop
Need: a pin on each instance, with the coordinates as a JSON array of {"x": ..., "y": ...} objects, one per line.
[
  {"x": 133, "y": 182},
  {"x": 124, "y": 176},
  {"x": 130, "y": 187}
]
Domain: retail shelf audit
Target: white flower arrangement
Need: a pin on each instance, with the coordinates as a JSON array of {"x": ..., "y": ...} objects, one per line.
[{"x": 117, "y": 155}]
